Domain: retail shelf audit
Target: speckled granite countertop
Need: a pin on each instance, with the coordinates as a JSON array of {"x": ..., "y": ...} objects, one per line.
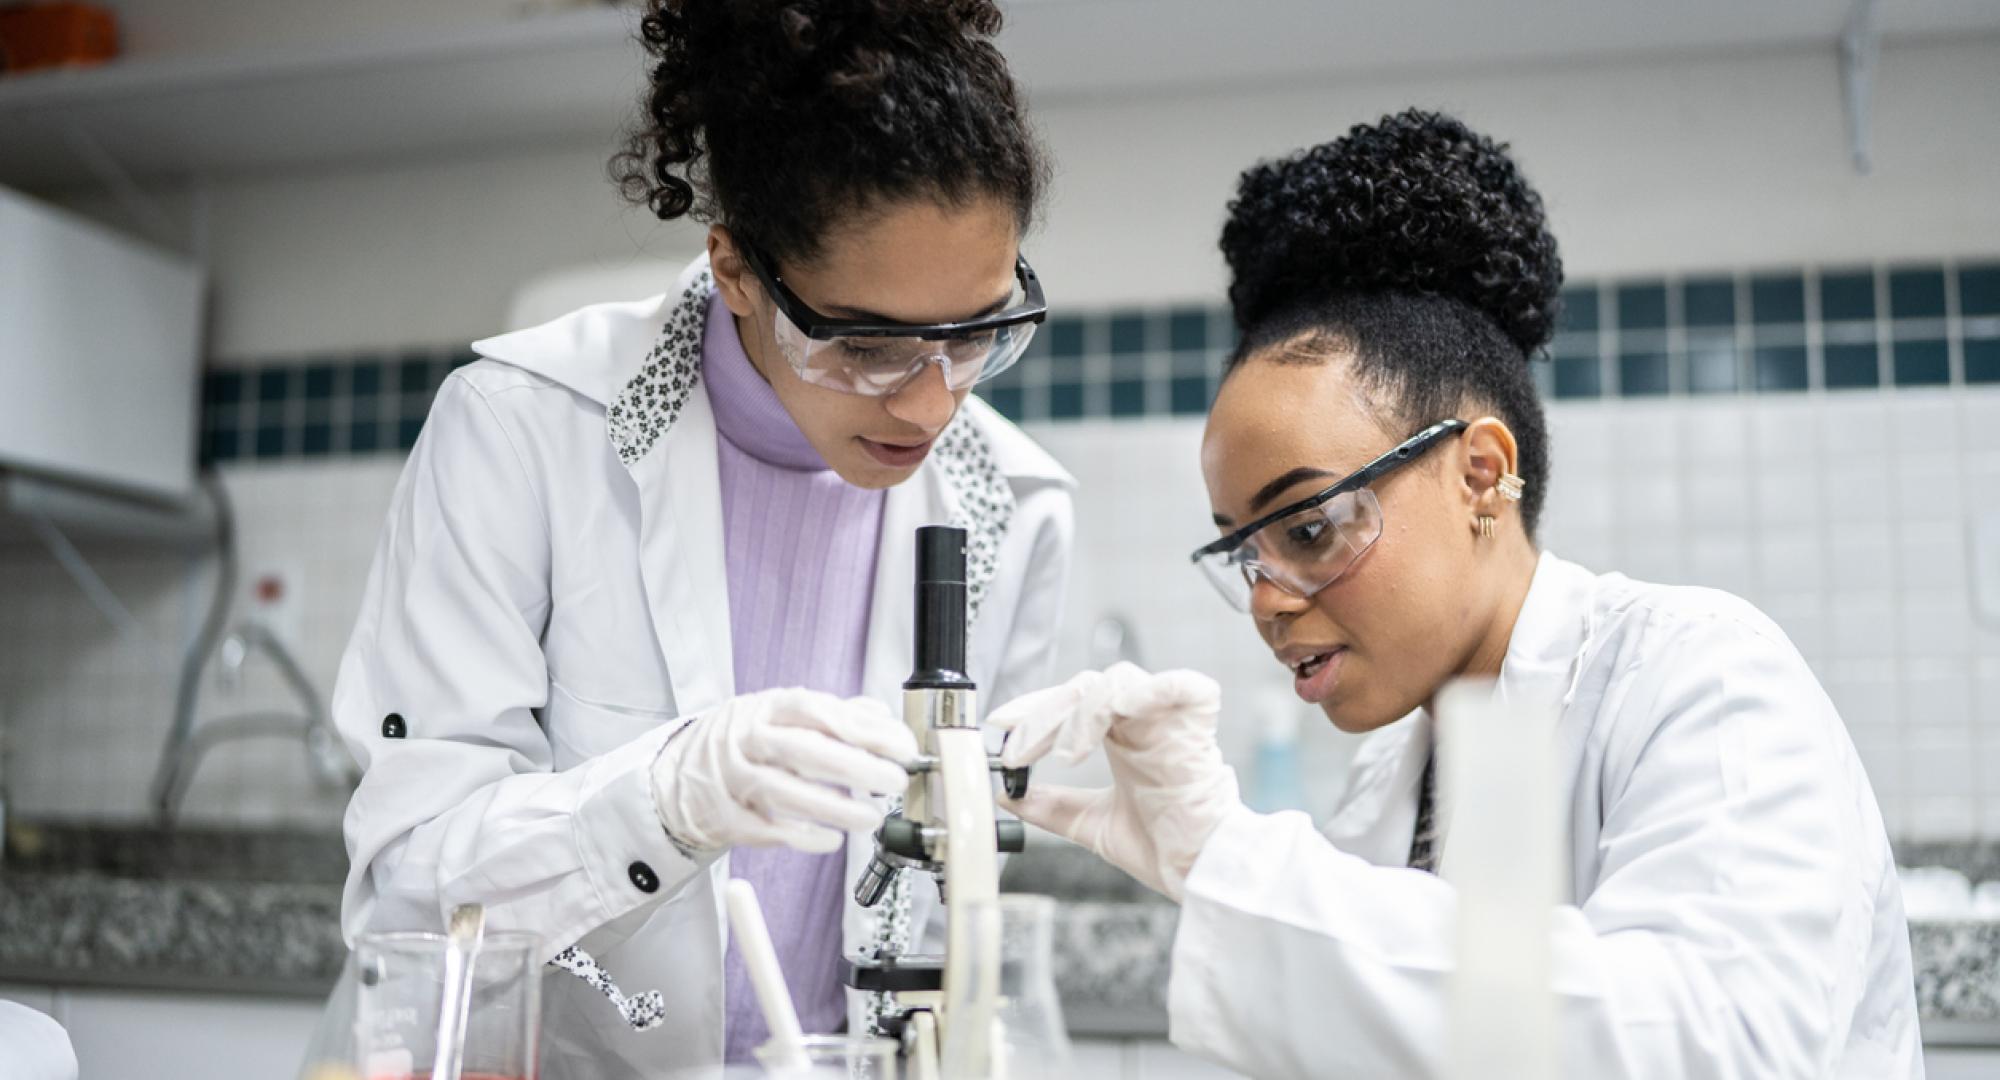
[
  {"x": 190, "y": 909},
  {"x": 258, "y": 913},
  {"x": 1112, "y": 947}
]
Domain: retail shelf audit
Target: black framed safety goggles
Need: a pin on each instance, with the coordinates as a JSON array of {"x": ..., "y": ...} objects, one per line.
[
  {"x": 1305, "y": 546},
  {"x": 1033, "y": 308}
]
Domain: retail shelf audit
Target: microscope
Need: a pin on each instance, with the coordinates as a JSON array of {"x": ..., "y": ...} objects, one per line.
[{"x": 946, "y": 827}]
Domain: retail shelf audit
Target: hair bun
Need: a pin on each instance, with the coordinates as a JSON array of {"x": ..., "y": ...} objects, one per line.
[{"x": 1417, "y": 202}]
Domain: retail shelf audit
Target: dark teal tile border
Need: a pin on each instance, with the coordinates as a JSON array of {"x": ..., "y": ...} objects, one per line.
[{"x": 1767, "y": 332}]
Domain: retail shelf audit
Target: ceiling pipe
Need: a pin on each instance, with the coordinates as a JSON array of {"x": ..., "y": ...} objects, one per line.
[{"x": 1860, "y": 48}]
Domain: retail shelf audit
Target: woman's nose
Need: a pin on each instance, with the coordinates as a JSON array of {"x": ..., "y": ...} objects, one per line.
[
  {"x": 1270, "y": 601},
  {"x": 925, "y": 401}
]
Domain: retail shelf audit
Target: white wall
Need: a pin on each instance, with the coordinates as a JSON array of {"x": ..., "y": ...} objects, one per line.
[
  {"x": 1648, "y": 166},
  {"x": 1845, "y": 517},
  {"x": 155, "y": 28}
]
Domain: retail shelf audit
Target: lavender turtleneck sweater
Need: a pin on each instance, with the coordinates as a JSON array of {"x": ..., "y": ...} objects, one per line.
[{"x": 800, "y": 551}]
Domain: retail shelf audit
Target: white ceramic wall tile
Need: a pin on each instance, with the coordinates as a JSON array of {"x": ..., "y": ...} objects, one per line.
[
  {"x": 1647, "y": 502},
  {"x": 1789, "y": 496},
  {"x": 1802, "y": 616},
  {"x": 1934, "y": 817},
  {"x": 1933, "y": 699},
  {"x": 1867, "y": 693},
  {"x": 1861, "y": 490},
  {"x": 1721, "y": 560},
  {"x": 1924, "y": 421},
  {"x": 1717, "y": 503},
  {"x": 1842, "y": 515},
  {"x": 1979, "y": 420},
  {"x": 1941, "y": 761},
  {"x": 1927, "y": 488},
  {"x": 1783, "y": 432},
  {"x": 1861, "y": 557},
  {"x": 1933, "y": 555},
  {"x": 1662, "y": 562},
  {"x": 1717, "y": 433},
  {"x": 1936, "y": 624},
  {"x": 1648, "y": 436},
  {"x": 1790, "y": 560}
]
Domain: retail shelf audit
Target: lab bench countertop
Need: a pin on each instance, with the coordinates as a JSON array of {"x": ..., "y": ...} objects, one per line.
[{"x": 211, "y": 911}]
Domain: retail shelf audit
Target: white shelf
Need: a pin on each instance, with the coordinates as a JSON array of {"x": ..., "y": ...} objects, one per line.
[
  {"x": 577, "y": 74},
  {"x": 572, "y": 74}
]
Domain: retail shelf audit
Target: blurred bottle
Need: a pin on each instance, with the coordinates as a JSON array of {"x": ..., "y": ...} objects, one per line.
[{"x": 1276, "y": 782}]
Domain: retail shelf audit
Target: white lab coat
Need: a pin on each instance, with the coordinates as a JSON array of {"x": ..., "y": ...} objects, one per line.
[
  {"x": 549, "y": 598},
  {"x": 1732, "y": 903}
]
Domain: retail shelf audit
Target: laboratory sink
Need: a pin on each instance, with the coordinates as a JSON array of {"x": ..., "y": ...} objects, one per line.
[{"x": 194, "y": 908}]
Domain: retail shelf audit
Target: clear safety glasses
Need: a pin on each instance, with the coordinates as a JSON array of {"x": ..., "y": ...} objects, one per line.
[
  {"x": 1305, "y": 546},
  {"x": 861, "y": 356}
]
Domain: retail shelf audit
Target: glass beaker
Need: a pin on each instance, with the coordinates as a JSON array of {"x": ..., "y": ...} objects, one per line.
[
  {"x": 382, "y": 1020},
  {"x": 855, "y": 1057},
  {"x": 1004, "y": 1021}
]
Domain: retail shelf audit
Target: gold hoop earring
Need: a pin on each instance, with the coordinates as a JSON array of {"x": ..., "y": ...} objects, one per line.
[
  {"x": 1510, "y": 487},
  {"x": 1487, "y": 524}
]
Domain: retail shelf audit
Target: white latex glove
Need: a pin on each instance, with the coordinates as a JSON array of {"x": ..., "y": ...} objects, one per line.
[
  {"x": 1170, "y": 787},
  {"x": 791, "y": 767}
]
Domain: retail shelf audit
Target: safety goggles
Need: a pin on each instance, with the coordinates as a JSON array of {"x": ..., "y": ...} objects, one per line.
[
  {"x": 876, "y": 358},
  {"x": 1305, "y": 546}
]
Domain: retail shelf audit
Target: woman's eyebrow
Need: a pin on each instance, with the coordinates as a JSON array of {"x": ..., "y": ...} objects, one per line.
[{"x": 1283, "y": 484}]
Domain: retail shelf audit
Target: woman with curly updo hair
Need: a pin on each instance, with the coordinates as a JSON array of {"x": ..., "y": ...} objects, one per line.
[
  {"x": 643, "y": 599},
  {"x": 1377, "y": 463}
]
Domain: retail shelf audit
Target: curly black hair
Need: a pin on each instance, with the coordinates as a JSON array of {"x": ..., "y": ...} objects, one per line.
[
  {"x": 1415, "y": 245},
  {"x": 782, "y": 119}
]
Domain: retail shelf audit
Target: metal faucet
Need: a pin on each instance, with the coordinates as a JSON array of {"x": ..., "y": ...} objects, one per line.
[
  {"x": 187, "y": 743},
  {"x": 326, "y": 760}
]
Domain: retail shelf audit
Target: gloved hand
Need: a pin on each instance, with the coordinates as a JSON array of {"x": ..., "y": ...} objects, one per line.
[
  {"x": 791, "y": 767},
  {"x": 1170, "y": 787}
]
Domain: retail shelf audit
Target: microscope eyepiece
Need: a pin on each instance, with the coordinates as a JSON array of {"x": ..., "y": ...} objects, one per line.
[{"x": 940, "y": 624}]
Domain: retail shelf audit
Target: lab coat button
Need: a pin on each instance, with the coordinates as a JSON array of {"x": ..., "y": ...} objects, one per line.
[
  {"x": 393, "y": 726},
  {"x": 643, "y": 877}
]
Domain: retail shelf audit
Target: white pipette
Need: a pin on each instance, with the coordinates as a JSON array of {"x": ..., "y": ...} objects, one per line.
[{"x": 753, "y": 940}]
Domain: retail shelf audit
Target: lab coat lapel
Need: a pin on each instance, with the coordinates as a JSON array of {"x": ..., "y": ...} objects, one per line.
[
  {"x": 1378, "y": 817},
  {"x": 681, "y": 558},
  {"x": 663, "y": 430},
  {"x": 1544, "y": 651},
  {"x": 1544, "y": 655}
]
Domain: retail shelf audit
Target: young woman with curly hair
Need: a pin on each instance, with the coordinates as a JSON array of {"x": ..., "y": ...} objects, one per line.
[
  {"x": 1376, "y": 463},
  {"x": 643, "y": 594}
]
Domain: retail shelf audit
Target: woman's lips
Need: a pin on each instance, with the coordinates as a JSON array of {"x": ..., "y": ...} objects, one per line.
[
  {"x": 1315, "y": 677},
  {"x": 897, "y": 455}
]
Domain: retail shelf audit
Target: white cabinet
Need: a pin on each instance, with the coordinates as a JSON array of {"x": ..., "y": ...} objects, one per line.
[
  {"x": 167, "y": 1036},
  {"x": 100, "y": 355},
  {"x": 42, "y": 999},
  {"x": 1962, "y": 1063},
  {"x": 1142, "y": 1059}
]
